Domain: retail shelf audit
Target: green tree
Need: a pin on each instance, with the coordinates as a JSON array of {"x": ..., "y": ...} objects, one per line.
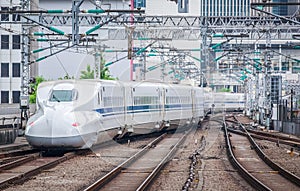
[
  {"x": 66, "y": 77},
  {"x": 88, "y": 74},
  {"x": 104, "y": 71},
  {"x": 104, "y": 74},
  {"x": 225, "y": 90},
  {"x": 34, "y": 82}
]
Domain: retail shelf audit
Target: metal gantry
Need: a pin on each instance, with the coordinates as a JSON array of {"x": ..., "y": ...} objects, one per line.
[
  {"x": 179, "y": 27},
  {"x": 267, "y": 81},
  {"x": 175, "y": 27}
]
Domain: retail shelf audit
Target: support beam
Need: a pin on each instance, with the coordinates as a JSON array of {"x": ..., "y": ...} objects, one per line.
[{"x": 24, "y": 97}]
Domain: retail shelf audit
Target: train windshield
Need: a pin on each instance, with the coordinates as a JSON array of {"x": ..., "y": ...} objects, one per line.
[{"x": 63, "y": 95}]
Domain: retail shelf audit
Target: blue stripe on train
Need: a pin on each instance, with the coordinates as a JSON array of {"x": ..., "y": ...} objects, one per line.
[
  {"x": 141, "y": 109},
  {"x": 109, "y": 111}
]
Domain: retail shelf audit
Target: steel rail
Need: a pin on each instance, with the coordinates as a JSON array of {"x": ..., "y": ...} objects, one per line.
[
  {"x": 18, "y": 162},
  {"x": 158, "y": 168},
  {"x": 102, "y": 181},
  {"x": 241, "y": 170},
  {"x": 273, "y": 136},
  {"x": 6, "y": 148},
  {"x": 264, "y": 137},
  {"x": 22, "y": 176},
  {"x": 17, "y": 153},
  {"x": 285, "y": 173},
  {"x": 269, "y": 136}
]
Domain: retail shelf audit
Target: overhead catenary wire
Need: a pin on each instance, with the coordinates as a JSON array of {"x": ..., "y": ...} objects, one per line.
[
  {"x": 61, "y": 64},
  {"x": 47, "y": 56}
]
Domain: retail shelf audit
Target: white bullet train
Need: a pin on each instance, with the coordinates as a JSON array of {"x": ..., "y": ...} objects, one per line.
[
  {"x": 75, "y": 114},
  {"x": 81, "y": 113},
  {"x": 225, "y": 101}
]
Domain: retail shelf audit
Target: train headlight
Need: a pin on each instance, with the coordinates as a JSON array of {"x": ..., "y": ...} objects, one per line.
[{"x": 75, "y": 124}]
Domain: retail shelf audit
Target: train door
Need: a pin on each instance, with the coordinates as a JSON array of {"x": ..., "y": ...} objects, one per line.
[
  {"x": 99, "y": 99},
  {"x": 132, "y": 103},
  {"x": 162, "y": 93},
  {"x": 123, "y": 90},
  {"x": 193, "y": 102},
  {"x": 128, "y": 104}
]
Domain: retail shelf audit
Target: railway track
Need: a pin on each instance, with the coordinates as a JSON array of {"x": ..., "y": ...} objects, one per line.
[
  {"x": 5, "y": 148},
  {"x": 16, "y": 153},
  {"x": 270, "y": 136},
  {"x": 255, "y": 166},
  {"x": 277, "y": 138},
  {"x": 15, "y": 150},
  {"x": 137, "y": 172},
  {"x": 21, "y": 169}
]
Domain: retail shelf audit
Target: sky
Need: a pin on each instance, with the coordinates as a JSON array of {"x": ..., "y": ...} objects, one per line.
[{"x": 72, "y": 62}]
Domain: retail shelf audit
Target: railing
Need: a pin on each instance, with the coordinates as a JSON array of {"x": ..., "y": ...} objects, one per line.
[{"x": 10, "y": 122}]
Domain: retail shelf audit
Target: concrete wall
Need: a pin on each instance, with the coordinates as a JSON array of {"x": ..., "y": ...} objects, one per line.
[
  {"x": 168, "y": 7},
  {"x": 287, "y": 127}
]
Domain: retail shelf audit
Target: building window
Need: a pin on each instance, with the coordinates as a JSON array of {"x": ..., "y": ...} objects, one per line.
[
  {"x": 16, "y": 96},
  {"x": 139, "y": 3},
  {"x": 136, "y": 66},
  {"x": 183, "y": 6},
  {"x": 4, "y": 17},
  {"x": 4, "y": 41},
  {"x": 285, "y": 66},
  {"x": 4, "y": 96},
  {"x": 295, "y": 67},
  {"x": 280, "y": 10},
  {"x": 16, "y": 70},
  {"x": 15, "y": 17},
  {"x": 4, "y": 70},
  {"x": 16, "y": 42}
]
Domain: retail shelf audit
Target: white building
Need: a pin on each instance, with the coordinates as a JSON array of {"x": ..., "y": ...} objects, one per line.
[
  {"x": 10, "y": 55},
  {"x": 225, "y": 7}
]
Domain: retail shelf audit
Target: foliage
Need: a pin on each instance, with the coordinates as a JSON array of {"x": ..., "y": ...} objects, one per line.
[
  {"x": 66, "y": 77},
  {"x": 225, "y": 90},
  {"x": 34, "y": 82},
  {"x": 104, "y": 71},
  {"x": 104, "y": 74},
  {"x": 88, "y": 74}
]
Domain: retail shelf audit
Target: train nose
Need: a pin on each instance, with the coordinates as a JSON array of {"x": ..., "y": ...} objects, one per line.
[{"x": 55, "y": 128}]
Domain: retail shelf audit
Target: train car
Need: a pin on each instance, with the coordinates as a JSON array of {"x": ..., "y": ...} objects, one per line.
[
  {"x": 227, "y": 101},
  {"x": 80, "y": 113}
]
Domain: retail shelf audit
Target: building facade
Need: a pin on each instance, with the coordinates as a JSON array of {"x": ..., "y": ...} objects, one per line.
[
  {"x": 286, "y": 10},
  {"x": 10, "y": 55},
  {"x": 225, "y": 7}
]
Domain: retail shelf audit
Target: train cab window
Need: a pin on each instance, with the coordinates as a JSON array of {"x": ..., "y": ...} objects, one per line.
[{"x": 63, "y": 95}]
